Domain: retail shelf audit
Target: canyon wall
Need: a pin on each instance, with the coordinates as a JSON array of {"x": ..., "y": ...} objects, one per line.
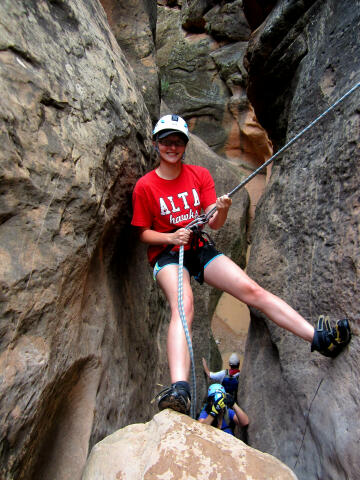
[
  {"x": 200, "y": 50},
  {"x": 75, "y": 137},
  {"x": 83, "y": 328},
  {"x": 305, "y": 246}
]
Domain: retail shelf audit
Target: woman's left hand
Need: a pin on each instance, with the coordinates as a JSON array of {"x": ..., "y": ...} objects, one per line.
[{"x": 223, "y": 203}]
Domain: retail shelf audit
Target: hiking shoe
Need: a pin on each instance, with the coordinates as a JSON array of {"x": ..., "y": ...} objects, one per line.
[
  {"x": 176, "y": 397},
  {"x": 330, "y": 341}
]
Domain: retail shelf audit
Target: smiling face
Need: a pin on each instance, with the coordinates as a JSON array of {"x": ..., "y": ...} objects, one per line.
[{"x": 171, "y": 148}]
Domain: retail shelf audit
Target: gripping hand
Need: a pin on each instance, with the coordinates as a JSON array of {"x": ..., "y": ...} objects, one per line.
[
  {"x": 229, "y": 400},
  {"x": 218, "y": 405}
]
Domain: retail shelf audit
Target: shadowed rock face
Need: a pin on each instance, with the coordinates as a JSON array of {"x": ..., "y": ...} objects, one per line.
[
  {"x": 306, "y": 238},
  {"x": 160, "y": 449},
  {"x": 75, "y": 137},
  {"x": 134, "y": 25},
  {"x": 257, "y": 10}
]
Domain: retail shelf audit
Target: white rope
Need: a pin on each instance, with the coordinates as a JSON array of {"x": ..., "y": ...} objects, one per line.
[{"x": 186, "y": 330}]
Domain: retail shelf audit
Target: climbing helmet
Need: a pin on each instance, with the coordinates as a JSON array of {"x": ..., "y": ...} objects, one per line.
[
  {"x": 215, "y": 388},
  {"x": 234, "y": 360},
  {"x": 170, "y": 124}
]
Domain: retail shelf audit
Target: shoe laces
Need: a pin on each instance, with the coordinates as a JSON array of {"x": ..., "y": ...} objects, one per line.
[{"x": 162, "y": 392}]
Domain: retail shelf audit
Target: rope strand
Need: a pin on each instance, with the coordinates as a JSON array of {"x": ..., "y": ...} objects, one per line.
[
  {"x": 186, "y": 330},
  {"x": 285, "y": 147}
]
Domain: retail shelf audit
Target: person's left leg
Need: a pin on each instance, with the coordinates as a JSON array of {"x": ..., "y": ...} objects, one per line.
[{"x": 226, "y": 275}]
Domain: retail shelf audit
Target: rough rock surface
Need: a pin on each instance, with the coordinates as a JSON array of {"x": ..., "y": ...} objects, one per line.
[
  {"x": 203, "y": 77},
  {"x": 177, "y": 447},
  {"x": 192, "y": 13},
  {"x": 304, "y": 407},
  {"x": 134, "y": 25},
  {"x": 81, "y": 323},
  {"x": 190, "y": 82},
  {"x": 227, "y": 22},
  {"x": 75, "y": 137}
]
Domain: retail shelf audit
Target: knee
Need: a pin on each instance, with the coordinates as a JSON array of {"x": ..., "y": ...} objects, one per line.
[
  {"x": 252, "y": 293},
  {"x": 188, "y": 305}
]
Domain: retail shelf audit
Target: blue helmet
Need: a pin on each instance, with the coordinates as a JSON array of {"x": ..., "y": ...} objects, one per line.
[{"x": 215, "y": 388}]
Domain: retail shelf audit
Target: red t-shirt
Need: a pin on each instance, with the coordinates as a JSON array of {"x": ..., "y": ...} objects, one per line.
[{"x": 166, "y": 205}]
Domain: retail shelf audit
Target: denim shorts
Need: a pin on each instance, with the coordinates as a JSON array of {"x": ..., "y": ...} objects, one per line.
[{"x": 195, "y": 260}]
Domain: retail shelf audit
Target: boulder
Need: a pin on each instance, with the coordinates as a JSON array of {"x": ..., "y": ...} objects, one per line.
[
  {"x": 177, "y": 447},
  {"x": 306, "y": 239},
  {"x": 227, "y": 22},
  {"x": 192, "y": 14}
]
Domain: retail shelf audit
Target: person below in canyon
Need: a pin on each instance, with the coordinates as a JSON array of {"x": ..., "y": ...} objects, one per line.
[
  {"x": 228, "y": 378},
  {"x": 221, "y": 410},
  {"x": 165, "y": 200}
]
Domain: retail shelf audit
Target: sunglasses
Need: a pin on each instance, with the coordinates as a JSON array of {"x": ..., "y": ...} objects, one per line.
[{"x": 168, "y": 143}]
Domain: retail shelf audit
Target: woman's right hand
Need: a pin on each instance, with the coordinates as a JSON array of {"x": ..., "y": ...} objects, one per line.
[{"x": 181, "y": 236}]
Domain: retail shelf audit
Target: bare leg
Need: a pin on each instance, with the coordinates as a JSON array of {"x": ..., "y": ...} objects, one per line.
[
  {"x": 177, "y": 347},
  {"x": 224, "y": 274}
]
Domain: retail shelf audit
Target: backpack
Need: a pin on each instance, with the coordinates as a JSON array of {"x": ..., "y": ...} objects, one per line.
[{"x": 231, "y": 383}]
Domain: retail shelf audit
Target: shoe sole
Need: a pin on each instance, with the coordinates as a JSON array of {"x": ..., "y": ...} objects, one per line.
[
  {"x": 174, "y": 403},
  {"x": 343, "y": 332}
]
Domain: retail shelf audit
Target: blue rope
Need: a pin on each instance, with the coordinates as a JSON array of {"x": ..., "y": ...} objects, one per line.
[{"x": 186, "y": 330}]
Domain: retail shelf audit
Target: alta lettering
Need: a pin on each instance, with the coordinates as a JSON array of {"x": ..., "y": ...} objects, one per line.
[{"x": 167, "y": 206}]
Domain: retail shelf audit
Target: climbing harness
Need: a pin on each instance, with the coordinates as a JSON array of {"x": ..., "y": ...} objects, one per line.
[{"x": 199, "y": 222}]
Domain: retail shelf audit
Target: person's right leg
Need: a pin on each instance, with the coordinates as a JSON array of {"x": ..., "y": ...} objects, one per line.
[
  {"x": 178, "y": 395},
  {"x": 177, "y": 348}
]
